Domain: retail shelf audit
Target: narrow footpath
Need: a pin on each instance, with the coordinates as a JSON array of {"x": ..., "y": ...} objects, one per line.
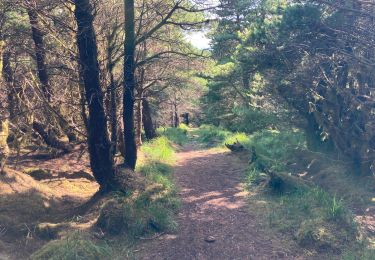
[{"x": 215, "y": 221}]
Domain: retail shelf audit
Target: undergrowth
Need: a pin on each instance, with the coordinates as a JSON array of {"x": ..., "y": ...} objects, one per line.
[
  {"x": 152, "y": 209},
  {"x": 273, "y": 147},
  {"x": 141, "y": 213},
  {"x": 316, "y": 219},
  {"x": 177, "y": 135}
]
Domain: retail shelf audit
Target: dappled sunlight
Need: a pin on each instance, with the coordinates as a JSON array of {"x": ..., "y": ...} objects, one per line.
[
  {"x": 203, "y": 196},
  {"x": 214, "y": 207},
  {"x": 225, "y": 203}
]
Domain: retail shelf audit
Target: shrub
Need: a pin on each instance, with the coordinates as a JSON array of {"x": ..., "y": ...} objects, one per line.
[
  {"x": 274, "y": 147},
  {"x": 250, "y": 120}
]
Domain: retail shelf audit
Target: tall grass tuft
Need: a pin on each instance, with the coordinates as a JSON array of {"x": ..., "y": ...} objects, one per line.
[
  {"x": 76, "y": 246},
  {"x": 159, "y": 150}
]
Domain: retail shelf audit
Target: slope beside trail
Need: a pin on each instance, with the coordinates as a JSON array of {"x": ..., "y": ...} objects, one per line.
[{"x": 215, "y": 221}]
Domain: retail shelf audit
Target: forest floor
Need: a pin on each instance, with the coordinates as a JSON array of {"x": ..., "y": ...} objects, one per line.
[
  {"x": 216, "y": 220},
  {"x": 220, "y": 217},
  {"x": 39, "y": 198}
]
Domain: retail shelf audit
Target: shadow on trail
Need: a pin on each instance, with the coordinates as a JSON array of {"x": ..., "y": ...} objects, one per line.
[{"x": 214, "y": 208}]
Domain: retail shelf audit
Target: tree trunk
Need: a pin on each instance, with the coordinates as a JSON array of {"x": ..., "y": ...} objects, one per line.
[
  {"x": 12, "y": 93},
  {"x": 112, "y": 96},
  {"x": 40, "y": 53},
  {"x": 175, "y": 120},
  {"x": 148, "y": 125},
  {"x": 129, "y": 86},
  {"x": 101, "y": 159},
  {"x": 139, "y": 119},
  {"x": 4, "y": 130},
  {"x": 4, "y": 149}
]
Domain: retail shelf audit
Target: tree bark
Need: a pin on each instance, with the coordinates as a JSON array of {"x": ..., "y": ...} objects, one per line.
[
  {"x": 101, "y": 159},
  {"x": 148, "y": 125},
  {"x": 4, "y": 130},
  {"x": 40, "y": 52},
  {"x": 112, "y": 96},
  {"x": 129, "y": 86},
  {"x": 12, "y": 93},
  {"x": 139, "y": 119}
]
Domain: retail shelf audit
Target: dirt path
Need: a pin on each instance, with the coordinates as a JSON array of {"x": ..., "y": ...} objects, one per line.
[{"x": 214, "y": 204}]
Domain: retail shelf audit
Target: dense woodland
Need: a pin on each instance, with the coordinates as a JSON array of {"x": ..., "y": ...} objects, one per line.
[{"x": 114, "y": 92}]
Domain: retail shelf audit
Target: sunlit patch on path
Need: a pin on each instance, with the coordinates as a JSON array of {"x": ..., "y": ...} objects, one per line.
[{"x": 215, "y": 221}]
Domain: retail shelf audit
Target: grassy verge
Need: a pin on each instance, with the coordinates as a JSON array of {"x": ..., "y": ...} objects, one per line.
[
  {"x": 124, "y": 218},
  {"x": 76, "y": 246},
  {"x": 309, "y": 216},
  {"x": 176, "y": 135},
  {"x": 151, "y": 209},
  {"x": 317, "y": 221}
]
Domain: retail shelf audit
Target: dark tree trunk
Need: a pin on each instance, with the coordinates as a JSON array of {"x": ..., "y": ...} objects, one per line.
[
  {"x": 129, "y": 86},
  {"x": 148, "y": 125},
  {"x": 81, "y": 85},
  {"x": 175, "y": 118},
  {"x": 40, "y": 52},
  {"x": 101, "y": 159},
  {"x": 12, "y": 92},
  {"x": 112, "y": 95},
  {"x": 139, "y": 119}
]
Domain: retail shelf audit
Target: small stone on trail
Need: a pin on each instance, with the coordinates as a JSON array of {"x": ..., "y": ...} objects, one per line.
[{"x": 210, "y": 239}]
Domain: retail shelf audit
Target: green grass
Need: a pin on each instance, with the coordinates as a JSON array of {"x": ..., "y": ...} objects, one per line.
[
  {"x": 78, "y": 246},
  {"x": 314, "y": 218},
  {"x": 210, "y": 135},
  {"x": 140, "y": 213},
  {"x": 273, "y": 147},
  {"x": 176, "y": 135},
  {"x": 159, "y": 150},
  {"x": 150, "y": 210},
  {"x": 309, "y": 214},
  {"x": 361, "y": 254}
]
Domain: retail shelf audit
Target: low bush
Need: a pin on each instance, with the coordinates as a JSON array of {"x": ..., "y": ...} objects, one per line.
[
  {"x": 250, "y": 120},
  {"x": 274, "y": 148}
]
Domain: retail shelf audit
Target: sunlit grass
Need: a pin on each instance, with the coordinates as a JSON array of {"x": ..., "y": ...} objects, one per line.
[
  {"x": 152, "y": 209},
  {"x": 159, "y": 150},
  {"x": 176, "y": 135}
]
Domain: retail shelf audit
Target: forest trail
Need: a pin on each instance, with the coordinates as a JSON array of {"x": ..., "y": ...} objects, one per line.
[{"x": 214, "y": 207}]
